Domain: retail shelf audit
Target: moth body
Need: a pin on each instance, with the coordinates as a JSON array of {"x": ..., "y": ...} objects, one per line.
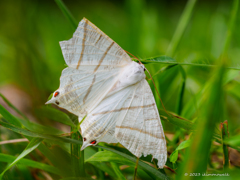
[{"x": 130, "y": 75}]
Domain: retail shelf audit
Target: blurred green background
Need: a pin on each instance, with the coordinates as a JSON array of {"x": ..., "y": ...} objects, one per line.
[{"x": 31, "y": 60}]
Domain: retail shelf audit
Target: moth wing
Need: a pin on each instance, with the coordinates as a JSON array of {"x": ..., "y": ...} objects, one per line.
[
  {"x": 100, "y": 123},
  {"x": 89, "y": 46},
  {"x": 129, "y": 116},
  {"x": 140, "y": 131},
  {"x": 94, "y": 62}
]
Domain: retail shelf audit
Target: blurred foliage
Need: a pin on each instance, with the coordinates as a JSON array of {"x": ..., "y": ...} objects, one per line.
[{"x": 199, "y": 86}]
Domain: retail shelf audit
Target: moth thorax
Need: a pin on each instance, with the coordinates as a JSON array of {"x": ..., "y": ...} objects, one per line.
[{"x": 132, "y": 74}]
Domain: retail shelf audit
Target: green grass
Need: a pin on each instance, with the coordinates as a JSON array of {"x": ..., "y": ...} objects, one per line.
[{"x": 195, "y": 66}]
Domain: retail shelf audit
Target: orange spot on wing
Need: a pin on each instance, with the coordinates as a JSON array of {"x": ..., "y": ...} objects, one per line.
[
  {"x": 93, "y": 142},
  {"x": 56, "y": 93}
]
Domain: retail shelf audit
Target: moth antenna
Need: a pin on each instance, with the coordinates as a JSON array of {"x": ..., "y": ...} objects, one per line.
[
  {"x": 133, "y": 56},
  {"x": 157, "y": 92}
]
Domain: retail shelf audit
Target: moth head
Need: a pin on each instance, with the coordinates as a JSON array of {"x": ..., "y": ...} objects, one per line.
[
  {"x": 142, "y": 66},
  {"x": 55, "y": 98},
  {"x": 88, "y": 142}
]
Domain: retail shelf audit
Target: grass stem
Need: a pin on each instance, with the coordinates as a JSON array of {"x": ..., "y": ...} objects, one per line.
[
  {"x": 135, "y": 170},
  {"x": 67, "y": 13},
  {"x": 184, "y": 19},
  {"x": 225, "y": 135}
]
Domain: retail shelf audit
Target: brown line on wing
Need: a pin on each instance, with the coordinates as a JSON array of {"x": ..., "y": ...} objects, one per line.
[
  {"x": 98, "y": 39},
  {"x": 83, "y": 43},
  {"x": 136, "y": 129},
  {"x": 125, "y": 108},
  {"x": 101, "y": 60},
  {"x": 89, "y": 89}
]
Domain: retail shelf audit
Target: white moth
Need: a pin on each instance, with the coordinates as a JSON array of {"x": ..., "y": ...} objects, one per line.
[{"x": 102, "y": 82}]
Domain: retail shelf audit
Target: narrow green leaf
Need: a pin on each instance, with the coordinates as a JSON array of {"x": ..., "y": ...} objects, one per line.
[
  {"x": 7, "y": 115},
  {"x": 55, "y": 114},
  {"x": 37, "y": 135},
  {"x": 190, "y": 108},
  {"x": 33, "y": 144},
  {"x": 233, "y": 141},
  {"x": 173, "y": 62},
  {"x": 181, "y": 92},
  {"x": 13, "y": 107},
  {"x": 151, "y": 171},
  {"x": 103, "y": 167},
  {"x": 26, "y": 123},
  {"x": 77, "y": 156},
  {"x": 27, "y": 162},
  {"x": 184, "y": 19},
  {"x": 117, "y": 171},
  {"x": 176, "y": 120},
  {"x": 196, "y": 158},
  {"x": 159, "y": 59},
  {"x": 231, "y": 24},
  {"x": 58, "y": 157},
  {"x": 67, "y": 13},
  {"x": 107, "y": 156},
  {"x": 35, "y": 127},
  {"x": 225, "y": 134},
  {"x": 154, "y": 173}
]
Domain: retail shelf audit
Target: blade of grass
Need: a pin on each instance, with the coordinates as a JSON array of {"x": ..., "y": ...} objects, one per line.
[
  {"x": 103, "y": 167},
  {"x": 225, "y": 135},
  {"x": 9, "y": 117},
  {"x": 33, "y": 144},
  {"x": 37, "y": 135},
  {"x": 157, "y": 59},
  {"x": 233, "y": 141},
  {"x": 196, "y": 159},
  {"x": 184, "y": 19},
  {"x": 54, "y": 114},
  {"x": 192, "y": 106},
  {"x": 231, "y": 24},
  {"x": 57, "y": 158},
  {"x": 126, "y": 159},
  {"x": 154, "y": 60},
  {"x": 181, "y": 92},
  {"x": 67, "y": 13},
  {"x": 117, "y": 171},
  {"x": 135, "y": 170},
  {"x": 13, "y": 107},
  {"x": 77, "y": 156},
  {"x": 101, "y": 173},
  {"x": 57, "y": 161},
  {"x": 27, "y": 124},
  {"x": 176, "y": 120},
  {"x": 151, "y": 171},
  {"x": 30, "y": 163}
]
